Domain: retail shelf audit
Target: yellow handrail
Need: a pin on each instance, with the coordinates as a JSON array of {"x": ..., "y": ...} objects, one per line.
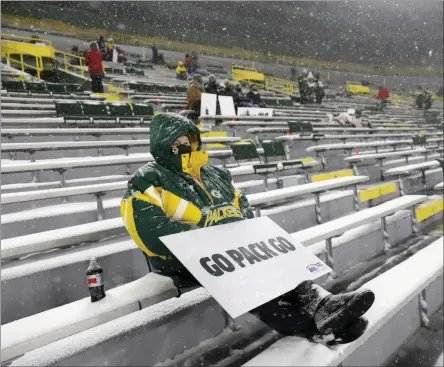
[
  {"x": 66, "y": 62},
  {"x": 4, "y": 35},
  {"x": 280, "y": 85},
  {"x": 37, "y": 67}
]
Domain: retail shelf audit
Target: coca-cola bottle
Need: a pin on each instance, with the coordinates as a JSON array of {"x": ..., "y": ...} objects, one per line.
[{"x": 94, "y": 279}]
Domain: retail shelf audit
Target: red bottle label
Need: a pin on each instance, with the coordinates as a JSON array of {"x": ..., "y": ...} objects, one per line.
[{"x": 95, "y": 280}]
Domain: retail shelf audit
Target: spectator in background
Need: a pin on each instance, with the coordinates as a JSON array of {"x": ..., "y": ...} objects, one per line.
[
  {"x": 194, "y": 59},
  {"x": 108, "y": 56},
  {"x": 238, "y": 96},
  {"x": 253, "y": 96},
  {"x": 428, "y": 99},
  {"x": 227, "y": 88},
  {"x": 211, "y": 85},
  {"x": 101, "y": 44},
  {"x": 383, "y": 96},
  {"x": 188, "y": 62},
  {"x": 420, "y": 98},
  {"x": 76, "y": 52},
  {"x": 95, "y": 68},
  {"x": 303, "y": 86},
  {"x": 319, "y": 88},
  {"x": 181, "y": 71},
  {"x": 383, "y": 93},
  {"x": 194, "y": 93}
]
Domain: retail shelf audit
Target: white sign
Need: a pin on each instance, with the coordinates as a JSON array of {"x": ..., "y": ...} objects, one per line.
[
  {"x": 226, "y": 106},
  {"x": 245, "y": 264},
  {"x": 254, "y": 111},
  {"x": 208, "y": 104}
]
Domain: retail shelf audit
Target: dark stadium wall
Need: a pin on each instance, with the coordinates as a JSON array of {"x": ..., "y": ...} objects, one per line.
[{"x": 370, "y": 32}]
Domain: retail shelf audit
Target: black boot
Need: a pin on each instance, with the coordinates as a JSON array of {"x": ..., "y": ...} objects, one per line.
[
  {"x": 330, "y": 313},
  {"x": 347, "y": 335}
]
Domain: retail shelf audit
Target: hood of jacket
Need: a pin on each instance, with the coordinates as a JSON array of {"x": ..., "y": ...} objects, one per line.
[{"x": 165, "y": 129}]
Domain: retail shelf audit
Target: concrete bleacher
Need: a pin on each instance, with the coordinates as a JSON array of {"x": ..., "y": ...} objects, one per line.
[{"x": 344, "y": 218}]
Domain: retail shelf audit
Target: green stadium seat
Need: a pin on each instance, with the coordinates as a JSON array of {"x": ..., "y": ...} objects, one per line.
[
  {"x": 68, "y": 109},
  {"x": 244, "y": 151},
  {"x": 94, "y": 109},
  {"x": 269, "y": 102},
  {"x": 136, "y": 87},
  {"x": 300, "y": 127},
  {"x": 149, "y": 88},
  {"x": 181, "y": 88},
  {"x": 56, "y": 88},
  {"x": 143, "y": 110},
  {"x": 36, "y": 87},
  {"x": 15, "y": 86},
  {"x": 419, "y": 140},
  {"x": 71, "y": 87},
  {"x": 274, "y": 150},
  {"x": 120, "y": 110}
]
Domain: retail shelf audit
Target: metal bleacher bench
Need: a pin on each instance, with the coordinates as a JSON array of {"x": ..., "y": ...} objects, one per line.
[
  {"x": 14, "y": 247},
  {"x": 127, "y": 298},
  {"x": 64, "y": 164},
  {"x": 407, "y": 170},
  {"x": 349, "y": 146},
  {"x": 97, "y": 131},
  {"x": 380, "y": 157},
  {"x": 31, "y": 148},
  {"x": 12, "y": 133}
]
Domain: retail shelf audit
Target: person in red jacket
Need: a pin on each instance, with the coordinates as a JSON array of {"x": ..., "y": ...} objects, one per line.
[
  {"x": 383, "y": 94},
  {"x": 95, "y": 67}
]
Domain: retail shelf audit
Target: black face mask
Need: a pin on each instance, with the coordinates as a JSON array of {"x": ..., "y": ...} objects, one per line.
[{"x": 181, "y": 149}]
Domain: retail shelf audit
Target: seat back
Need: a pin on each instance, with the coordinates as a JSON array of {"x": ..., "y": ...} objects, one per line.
[
  {"x": 56, "y": 87},
  {"x": 72, "y": 87},
  {"x": 300, "y": 127},
  {"x": 94, "y": 109},
  {"x": 273, "y": 150},
  {"x": 15, "y": 86},
  {"x": 68, "y": 109},
  {"x": 419, "y": 140},
  {"x": 36, "y": 87},
  {"x": 244, "y": 151},
  {"x": 120, "y": 110},
  {"x": 143, "y": 110}
]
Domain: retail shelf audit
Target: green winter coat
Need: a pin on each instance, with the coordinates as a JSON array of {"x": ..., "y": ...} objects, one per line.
[{"x": 177, "y": 193}]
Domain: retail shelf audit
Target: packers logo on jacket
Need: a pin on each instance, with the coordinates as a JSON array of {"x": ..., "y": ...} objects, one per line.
[{"x": 177, "y": 193}]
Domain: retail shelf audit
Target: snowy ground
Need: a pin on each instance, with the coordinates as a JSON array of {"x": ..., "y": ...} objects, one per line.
[{"x": 425, "y": 347}]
